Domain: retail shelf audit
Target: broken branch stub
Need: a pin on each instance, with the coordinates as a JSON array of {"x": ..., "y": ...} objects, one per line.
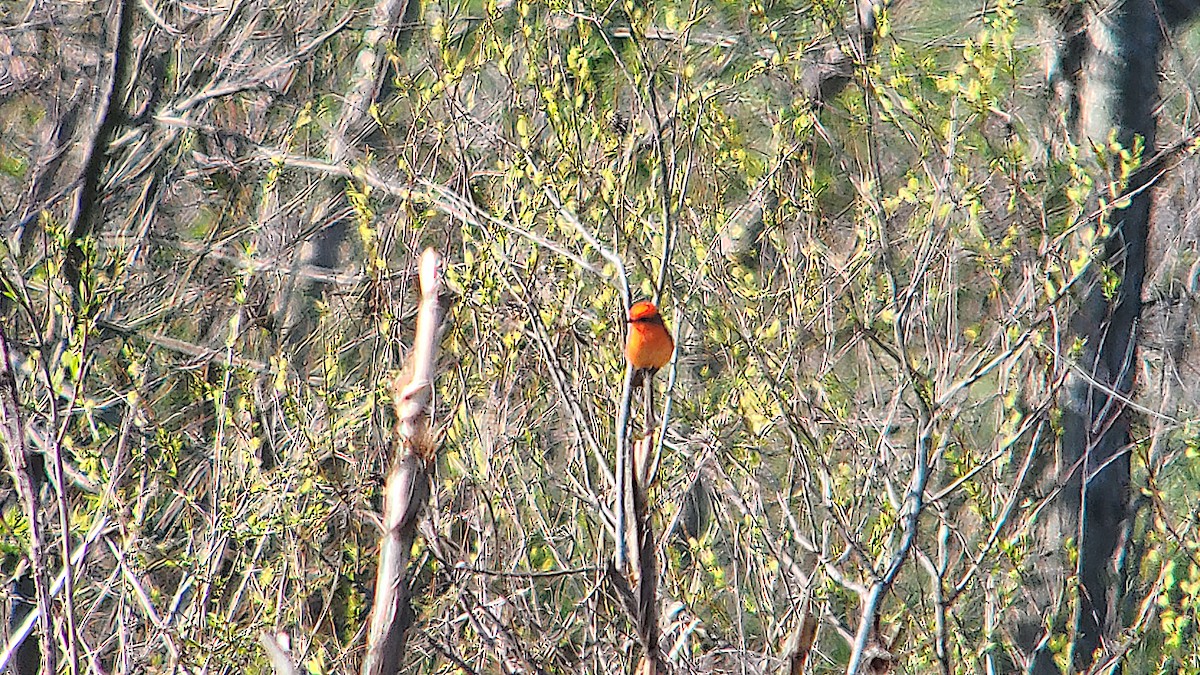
[{"x": 407, "y": 487}]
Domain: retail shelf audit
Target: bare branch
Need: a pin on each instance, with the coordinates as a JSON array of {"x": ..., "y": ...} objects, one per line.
[
  {"x": 646, "y": 552},
  {"x": 110, "y": 116},
  {"x": 23, "y": 631},
  {"x": 19, "y": 460},
  {"x": 280, "y": 660},
  {"x": 407, "y": 486}
]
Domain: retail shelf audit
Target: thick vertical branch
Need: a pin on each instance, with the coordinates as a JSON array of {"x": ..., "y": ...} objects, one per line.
[
  {"x": 408, "y": 480},
  {"x": 281, "y": 661},
  {"x": 18, "y": 456},
  {"x": 799, "y": 644},
  {"x": 323, "y": 250},
  {"x": 646, "y": 552},
  {"x": 623, "y": 471}
]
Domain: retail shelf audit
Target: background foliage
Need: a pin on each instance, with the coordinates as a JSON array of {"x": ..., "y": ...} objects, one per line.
[{"x": 859, "y": 287}]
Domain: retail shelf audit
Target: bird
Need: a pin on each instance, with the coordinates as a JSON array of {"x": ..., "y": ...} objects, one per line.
[
  {"x": 649, "y": 345},
  {"x": 648, "y": 348}
]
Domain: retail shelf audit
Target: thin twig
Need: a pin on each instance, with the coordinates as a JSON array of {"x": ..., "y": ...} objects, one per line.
[
  {"x": 37, "y": 615},
  {"x": 19, "y": 460}
]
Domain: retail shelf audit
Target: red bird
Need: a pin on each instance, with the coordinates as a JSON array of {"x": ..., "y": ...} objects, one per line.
[{"x": 649, "y": 346}]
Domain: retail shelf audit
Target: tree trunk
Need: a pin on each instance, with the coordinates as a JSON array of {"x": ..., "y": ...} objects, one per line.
[{"x": 1106, "y": 77}]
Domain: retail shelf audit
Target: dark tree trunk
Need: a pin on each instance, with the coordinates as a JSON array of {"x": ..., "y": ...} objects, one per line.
[{"x": 1106, "y": 77}]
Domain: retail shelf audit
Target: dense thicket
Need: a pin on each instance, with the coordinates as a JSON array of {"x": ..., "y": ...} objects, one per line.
[{"x": 873, "y": 230}]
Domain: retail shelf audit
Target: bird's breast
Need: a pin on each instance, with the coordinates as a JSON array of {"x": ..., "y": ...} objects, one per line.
[{"x": 649, "y": 346}]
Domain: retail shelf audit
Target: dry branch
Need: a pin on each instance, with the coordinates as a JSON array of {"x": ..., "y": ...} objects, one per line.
[
  {"x": 799, "y": 644},
  {"x": 280, "y": 660},
  {"x": 645, "y": 561},
  {"x": 25, "y": 628},
  {"x": 408, "y": 480},
  {"x": 111, "y": 114},
  {"x": 18, "y": 457}
]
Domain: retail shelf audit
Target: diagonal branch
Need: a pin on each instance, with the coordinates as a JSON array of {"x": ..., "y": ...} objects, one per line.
[
  {"x": 112, "y": 114},
  {"x": 78, "y": 554}
]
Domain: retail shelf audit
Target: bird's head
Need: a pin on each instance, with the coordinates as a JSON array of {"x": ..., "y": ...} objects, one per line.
[{"x": 642, "y": 311}]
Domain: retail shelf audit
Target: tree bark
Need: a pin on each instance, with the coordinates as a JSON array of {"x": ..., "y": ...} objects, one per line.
[
  {"x": 408, "y": 481},
  {"x": 1105, "y": 75}
]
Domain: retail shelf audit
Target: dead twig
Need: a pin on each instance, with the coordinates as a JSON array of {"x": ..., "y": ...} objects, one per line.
[{"x": 78, "y": 553}]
